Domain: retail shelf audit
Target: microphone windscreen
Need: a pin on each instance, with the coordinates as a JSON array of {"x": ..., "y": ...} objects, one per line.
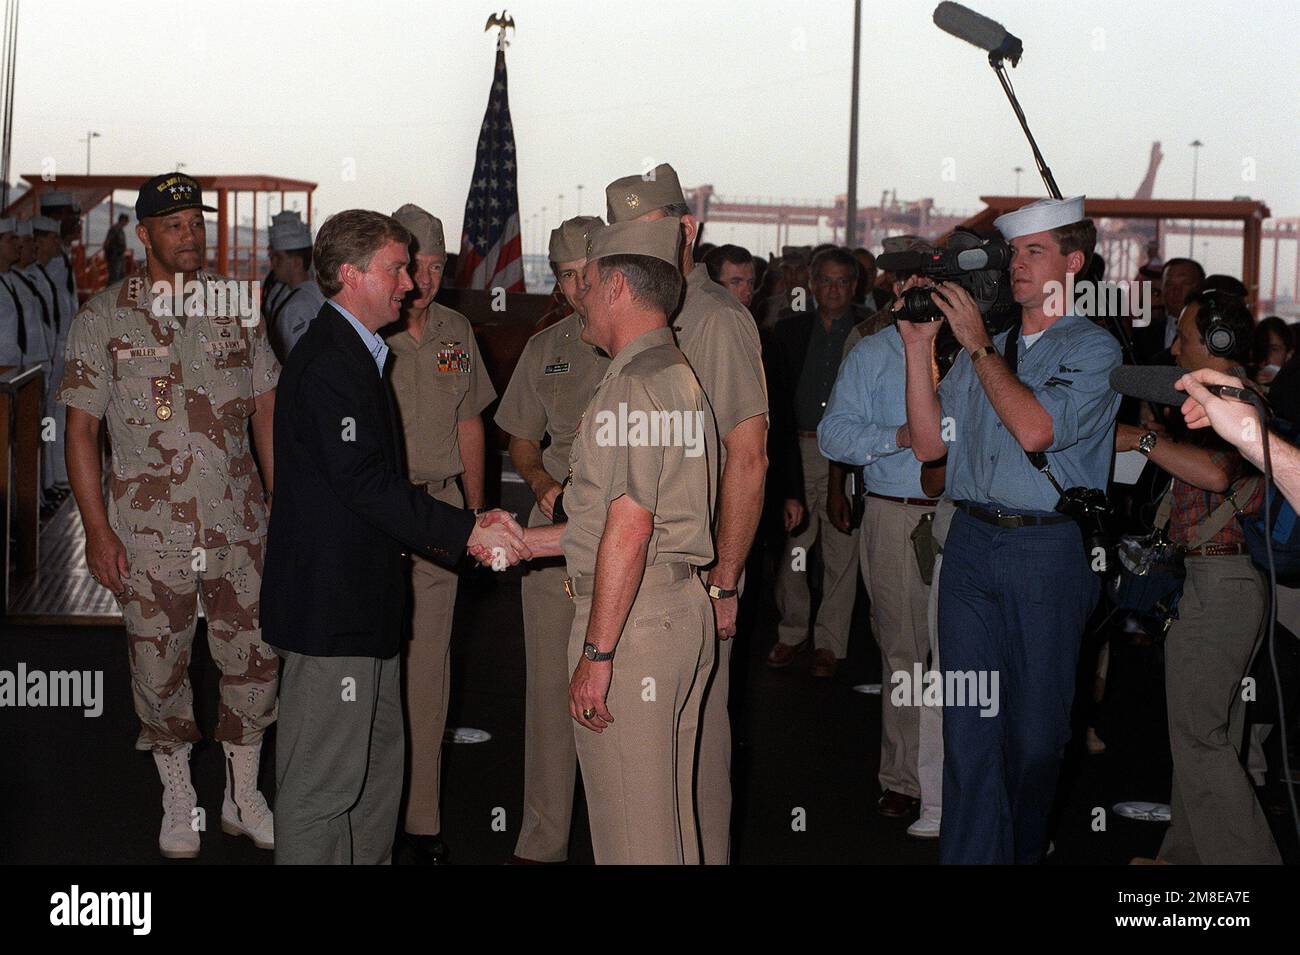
[
  {"x": 966, "y": 24},
  {"x": 1154, "y": 383}
]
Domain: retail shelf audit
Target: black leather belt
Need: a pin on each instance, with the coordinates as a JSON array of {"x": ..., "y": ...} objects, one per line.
[
  {"x": 1004, "y": 519},
  {"x": 1217, "y": 550}
]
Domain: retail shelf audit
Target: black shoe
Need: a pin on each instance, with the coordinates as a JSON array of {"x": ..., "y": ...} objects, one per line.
[{"x": 422, "y": 850}]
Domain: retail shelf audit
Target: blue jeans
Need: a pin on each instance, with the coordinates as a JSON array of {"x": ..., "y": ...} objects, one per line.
[{"x": 1012, "y": 603}]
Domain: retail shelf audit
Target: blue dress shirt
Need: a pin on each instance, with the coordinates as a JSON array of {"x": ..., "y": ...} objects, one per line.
[
  {"x": 1068, "y": 370},
  {"x": 866, "y": 407},
  {"x": 374, "y": 343}
]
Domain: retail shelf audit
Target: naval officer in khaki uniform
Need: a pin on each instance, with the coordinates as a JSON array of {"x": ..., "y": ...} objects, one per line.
[
  {"x": 640, "y": 508},
  {"x": 548, "y": 392},
  {"x": 718, "y": 337},
  {"x": 442, "y": 388}
]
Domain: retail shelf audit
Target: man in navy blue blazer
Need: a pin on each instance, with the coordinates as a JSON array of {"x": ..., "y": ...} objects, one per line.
[{"x": 334, "y": 589}]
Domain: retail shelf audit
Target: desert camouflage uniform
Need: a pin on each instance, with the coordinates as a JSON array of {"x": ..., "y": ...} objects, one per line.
[{"x": 185, "y": 498}]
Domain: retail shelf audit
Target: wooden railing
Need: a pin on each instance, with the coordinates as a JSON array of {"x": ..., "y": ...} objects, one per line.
[{"x": 22, "y": 397}]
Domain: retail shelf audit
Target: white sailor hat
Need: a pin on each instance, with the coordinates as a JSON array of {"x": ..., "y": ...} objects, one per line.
[
  {"x": 8, "y": 224},
  {"x": 58, "y": 200},
  {"x": 43, "y": 224},
  {"x": 1040, "y": 216},
  {"x": 24, "y": 227},
  {"x": 290, "y": 235}
]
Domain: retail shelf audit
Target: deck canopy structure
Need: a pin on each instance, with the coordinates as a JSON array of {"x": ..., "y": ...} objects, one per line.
[{"x": 234, "y": 254}]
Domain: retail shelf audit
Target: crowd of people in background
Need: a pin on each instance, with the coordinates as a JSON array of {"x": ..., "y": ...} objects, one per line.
[{"x": 817, "y": 384}]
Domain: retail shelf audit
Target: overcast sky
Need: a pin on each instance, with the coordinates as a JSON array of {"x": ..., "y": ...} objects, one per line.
[{"x": 749, "y": 96}]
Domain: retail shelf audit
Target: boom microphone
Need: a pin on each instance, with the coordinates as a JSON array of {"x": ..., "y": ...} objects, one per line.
[
  {"x": 978, "y": 30},
  {"x": 1155, "y": 383}
]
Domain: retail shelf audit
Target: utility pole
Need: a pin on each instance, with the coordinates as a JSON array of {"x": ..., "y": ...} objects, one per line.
[
  {"x": 90, "y": 134},
  {"x": 1196, "y": 145},
  {"x": 851, "y": 204}
]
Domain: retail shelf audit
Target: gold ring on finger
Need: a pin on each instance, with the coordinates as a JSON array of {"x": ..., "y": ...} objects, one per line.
[{"x": 588, "y": 714}]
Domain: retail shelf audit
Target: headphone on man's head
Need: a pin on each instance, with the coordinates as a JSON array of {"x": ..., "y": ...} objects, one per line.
[{"x": 1220, "y": 339}]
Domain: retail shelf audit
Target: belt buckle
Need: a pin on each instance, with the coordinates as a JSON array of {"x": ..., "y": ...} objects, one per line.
[
  {"x": 1009, "y": 520},
  {"x": 568, "y": 588}
]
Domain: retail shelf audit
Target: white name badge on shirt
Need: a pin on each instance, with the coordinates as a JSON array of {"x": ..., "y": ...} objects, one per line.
[{"x": 155, "y": 351}]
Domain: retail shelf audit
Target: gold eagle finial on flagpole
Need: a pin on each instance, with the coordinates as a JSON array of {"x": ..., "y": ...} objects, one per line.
[{"x": 503, "y": 21}]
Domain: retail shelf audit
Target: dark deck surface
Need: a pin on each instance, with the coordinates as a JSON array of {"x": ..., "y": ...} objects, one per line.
[{"x": 75, "y": 791}]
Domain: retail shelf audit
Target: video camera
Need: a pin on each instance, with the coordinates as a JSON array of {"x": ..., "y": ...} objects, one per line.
[{"x": 978, "y": 264}]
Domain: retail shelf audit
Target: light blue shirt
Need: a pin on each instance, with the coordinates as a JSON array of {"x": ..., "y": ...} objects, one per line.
[
  {"x": 866, "y": 407},
  {"x": 1068, "y": 370},
  {"x": 374, "y": 343}
]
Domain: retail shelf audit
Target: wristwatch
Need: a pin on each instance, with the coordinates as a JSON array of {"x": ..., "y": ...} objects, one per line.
[
  {"x": 979, "y": 353},
  {"x": 594, "y": 655},
  {"x": 717, "y": 593},
  {"x": 1147, "y": 443}
]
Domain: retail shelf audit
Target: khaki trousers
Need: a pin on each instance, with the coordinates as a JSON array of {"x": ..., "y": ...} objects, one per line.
[
  {"x": 839, "y": 553},
  {"x": 930, "y": 748},
  {"x": 713, "y": 766},
  {"x": 550, "y": 759},
  {"x": 899, "y": 604},
  {"x": 426, "y": 681},
  {"x": 639, "y": 773},
  {"x": 1216, "y": 819}
]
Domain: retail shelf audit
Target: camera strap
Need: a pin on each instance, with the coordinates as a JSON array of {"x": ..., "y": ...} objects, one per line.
[{"x": 1011, "y": 355}]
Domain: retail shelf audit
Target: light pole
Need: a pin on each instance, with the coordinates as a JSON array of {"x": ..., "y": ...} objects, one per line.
[
  {"x": 1018, "y": 170},
  {"x": 90, "y": 134},
  {"x": 1196, "y": 145},
  {"x": 851, "y": 201}
]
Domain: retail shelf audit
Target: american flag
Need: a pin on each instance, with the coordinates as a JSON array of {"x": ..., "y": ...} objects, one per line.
[{"x": 490, "y": 246}]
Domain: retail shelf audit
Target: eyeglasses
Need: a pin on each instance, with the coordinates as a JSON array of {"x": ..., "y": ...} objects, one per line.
[{"x": 835, "y": 283}]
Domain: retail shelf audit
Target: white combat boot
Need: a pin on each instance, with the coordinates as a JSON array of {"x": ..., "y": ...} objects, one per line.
[
  {"x": 177, "y": 839},
  {"x": 244, "y": 811}
]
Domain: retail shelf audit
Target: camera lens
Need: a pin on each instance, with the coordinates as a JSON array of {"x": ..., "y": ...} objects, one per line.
[{"x": 919, "y": 307}]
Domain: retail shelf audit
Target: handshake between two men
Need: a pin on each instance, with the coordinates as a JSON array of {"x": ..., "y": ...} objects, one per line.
[{"x": 498, "y": 541}]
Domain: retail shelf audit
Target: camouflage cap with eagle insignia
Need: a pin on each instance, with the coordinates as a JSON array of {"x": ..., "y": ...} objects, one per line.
[
  {"x": 569, "y": 241},
  {"x": 170, "y": 192},
  {"x": 658, "y": 239},
  {"x": 633, "y": 196}
]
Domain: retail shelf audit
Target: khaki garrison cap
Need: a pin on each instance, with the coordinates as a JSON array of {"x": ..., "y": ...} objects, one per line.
[
  {"x": 569, "y": 241},
  {"x": 634, "y": 196},
  {"x": 658, "y": 239},
  {"x": 424, "y": 227}
]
